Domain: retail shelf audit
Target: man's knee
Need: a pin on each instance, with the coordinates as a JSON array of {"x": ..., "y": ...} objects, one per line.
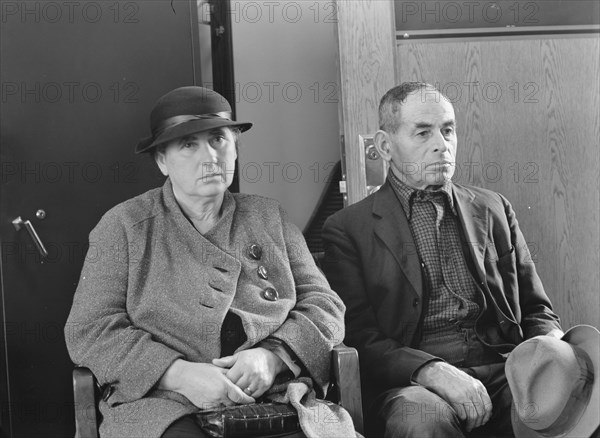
[{"x": 417, "y": 412}]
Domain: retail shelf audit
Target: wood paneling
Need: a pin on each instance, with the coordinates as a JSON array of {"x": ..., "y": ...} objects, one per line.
[
  {"x": 365, "y": 32},
  {"x": 528, "y": 116},
  {"x": 463, "y": 17}
]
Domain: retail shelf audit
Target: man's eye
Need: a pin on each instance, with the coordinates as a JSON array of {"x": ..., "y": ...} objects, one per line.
[
  {"x": 448, "y": 131},
  {"x": 189, "y": 145},
  {"x": 423, "y": 133}
]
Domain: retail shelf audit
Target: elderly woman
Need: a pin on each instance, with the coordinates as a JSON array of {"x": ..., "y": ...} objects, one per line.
[{"x": 194, "y": 297}]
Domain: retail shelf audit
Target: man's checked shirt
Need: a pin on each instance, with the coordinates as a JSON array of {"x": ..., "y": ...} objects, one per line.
[{"x": 453, "y": 294}]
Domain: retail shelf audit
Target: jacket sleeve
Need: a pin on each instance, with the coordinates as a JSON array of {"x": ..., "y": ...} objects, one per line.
[
  {"x": 316, "y": 323},
  {"x": 383, "y": 359},
  {"x": 537, "y": 316},
  {"x": 99, "y": 333}
]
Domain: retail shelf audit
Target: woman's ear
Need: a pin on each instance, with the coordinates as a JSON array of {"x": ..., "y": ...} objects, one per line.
[
  {"x": 161, "y": 161},
  {"x": 382, "y": 143}
]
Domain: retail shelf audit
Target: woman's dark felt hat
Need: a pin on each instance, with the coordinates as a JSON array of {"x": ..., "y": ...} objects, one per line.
[{"x": 184, "y": 111}]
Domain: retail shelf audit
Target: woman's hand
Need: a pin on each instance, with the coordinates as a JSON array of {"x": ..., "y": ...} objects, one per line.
[
  {"x": 205, "y": 385},
  {"x": 253, "y": 370}
]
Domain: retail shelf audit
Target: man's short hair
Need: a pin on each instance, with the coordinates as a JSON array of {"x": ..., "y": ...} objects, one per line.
[{"x": 389, "y": 106}]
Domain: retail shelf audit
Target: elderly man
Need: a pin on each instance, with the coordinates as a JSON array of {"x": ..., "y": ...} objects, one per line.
[{"x": 438, "y": 282}]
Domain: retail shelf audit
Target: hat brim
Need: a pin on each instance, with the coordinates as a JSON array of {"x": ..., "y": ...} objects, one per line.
[
  {"x": 586, "y": 338},
  {"x": 188, "y": 128}
]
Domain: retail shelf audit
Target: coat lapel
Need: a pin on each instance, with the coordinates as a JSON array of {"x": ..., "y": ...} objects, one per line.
[
  {"x": 392, "y": 227},
  {"x": 474, "y": 220}
]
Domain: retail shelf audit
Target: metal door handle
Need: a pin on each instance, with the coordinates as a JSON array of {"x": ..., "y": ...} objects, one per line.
[{"x": 19, "y": 223}]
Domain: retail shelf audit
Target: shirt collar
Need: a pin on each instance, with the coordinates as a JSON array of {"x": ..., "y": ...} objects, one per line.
[{"x": 406, "y": 194}]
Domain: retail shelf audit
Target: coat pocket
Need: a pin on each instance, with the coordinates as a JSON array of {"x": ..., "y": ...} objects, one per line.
[{"x": 501, "y": 272}]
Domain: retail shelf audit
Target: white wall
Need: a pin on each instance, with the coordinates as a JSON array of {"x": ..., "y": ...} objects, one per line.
[{"x": 286, "y": 83}]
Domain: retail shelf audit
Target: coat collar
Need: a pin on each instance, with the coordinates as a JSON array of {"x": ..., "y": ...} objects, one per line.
[{"x": 215, "y": 235}]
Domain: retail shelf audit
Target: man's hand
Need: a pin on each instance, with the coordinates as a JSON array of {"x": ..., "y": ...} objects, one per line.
[
  {"x": 205, "y": 385},
  {"x": 465, "y": 394},
  {"x": 557, "y": 333},
  {"x": 252, "y": 370}
]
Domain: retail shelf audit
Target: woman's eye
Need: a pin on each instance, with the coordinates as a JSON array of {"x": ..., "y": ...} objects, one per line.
[{"x": 217, "y": 140}]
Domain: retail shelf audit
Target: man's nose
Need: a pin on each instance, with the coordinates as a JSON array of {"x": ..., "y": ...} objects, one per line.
[{"x": 441, "y": 144}]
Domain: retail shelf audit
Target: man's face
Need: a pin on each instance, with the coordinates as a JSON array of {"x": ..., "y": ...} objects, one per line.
[
  {"x": 423, "y": 150},
  {"x": 200, "y": 165}
]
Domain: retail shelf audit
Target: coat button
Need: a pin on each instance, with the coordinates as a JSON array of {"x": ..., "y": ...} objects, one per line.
[
  {"x": 262, "y": 273},
  {"x": 270, "y": 294},
  {"x": 415, "y": 302},
  {"x": 255, "y": 251}
]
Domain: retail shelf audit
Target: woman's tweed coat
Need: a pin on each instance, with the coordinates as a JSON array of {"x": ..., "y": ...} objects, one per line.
[{"x": 153, "y": 289}]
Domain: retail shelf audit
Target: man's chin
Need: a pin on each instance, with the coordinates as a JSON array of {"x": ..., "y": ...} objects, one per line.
[{"x": 439, "y": 180}]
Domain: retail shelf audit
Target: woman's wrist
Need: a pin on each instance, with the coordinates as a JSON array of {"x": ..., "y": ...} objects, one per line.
[
  {"x": 276, "y": 363},
  {"x": 285, "y": 354},
  {"x": 171, "y": 378}
]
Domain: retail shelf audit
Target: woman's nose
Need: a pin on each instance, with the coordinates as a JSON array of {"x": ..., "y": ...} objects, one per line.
[{"x": 207, "y": 153}]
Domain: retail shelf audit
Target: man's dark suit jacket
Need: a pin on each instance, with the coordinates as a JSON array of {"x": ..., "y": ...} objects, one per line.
[{"x": 371, "y": 261}]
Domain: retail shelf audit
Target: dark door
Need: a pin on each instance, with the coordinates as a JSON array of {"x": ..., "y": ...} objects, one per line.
[{"x": 78, "y": 80}]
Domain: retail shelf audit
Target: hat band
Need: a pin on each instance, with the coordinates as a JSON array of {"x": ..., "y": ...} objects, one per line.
[
  {"x": 578, "y": 399},
  {"x": 178, "y": 120}
]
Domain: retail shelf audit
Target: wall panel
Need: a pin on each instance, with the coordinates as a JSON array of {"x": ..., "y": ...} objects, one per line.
[
  {"x": 365, "y": 34},
  {"x": 528, "y": 116},
  {"x": 286, "y": 84}
]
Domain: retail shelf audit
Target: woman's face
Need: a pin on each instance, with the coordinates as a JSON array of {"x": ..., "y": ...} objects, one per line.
[{"x": 200, "y": 165}]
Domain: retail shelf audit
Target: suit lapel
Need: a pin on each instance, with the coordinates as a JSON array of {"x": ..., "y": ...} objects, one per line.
[
  {"x": 391, "y": 226},
  {"x": 474, "y": 220}
]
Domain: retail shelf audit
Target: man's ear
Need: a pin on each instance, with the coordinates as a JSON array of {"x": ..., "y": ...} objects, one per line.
[
  {"x": 382, "y": 143},
  {"x": 160, "y": 159}
]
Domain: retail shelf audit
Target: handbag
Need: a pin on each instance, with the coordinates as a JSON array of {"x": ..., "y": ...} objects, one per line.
[{"x": 247, "y": 421}]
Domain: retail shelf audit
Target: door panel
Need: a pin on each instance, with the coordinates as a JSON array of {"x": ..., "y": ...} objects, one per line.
[{"x": 78, "y": 82}]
